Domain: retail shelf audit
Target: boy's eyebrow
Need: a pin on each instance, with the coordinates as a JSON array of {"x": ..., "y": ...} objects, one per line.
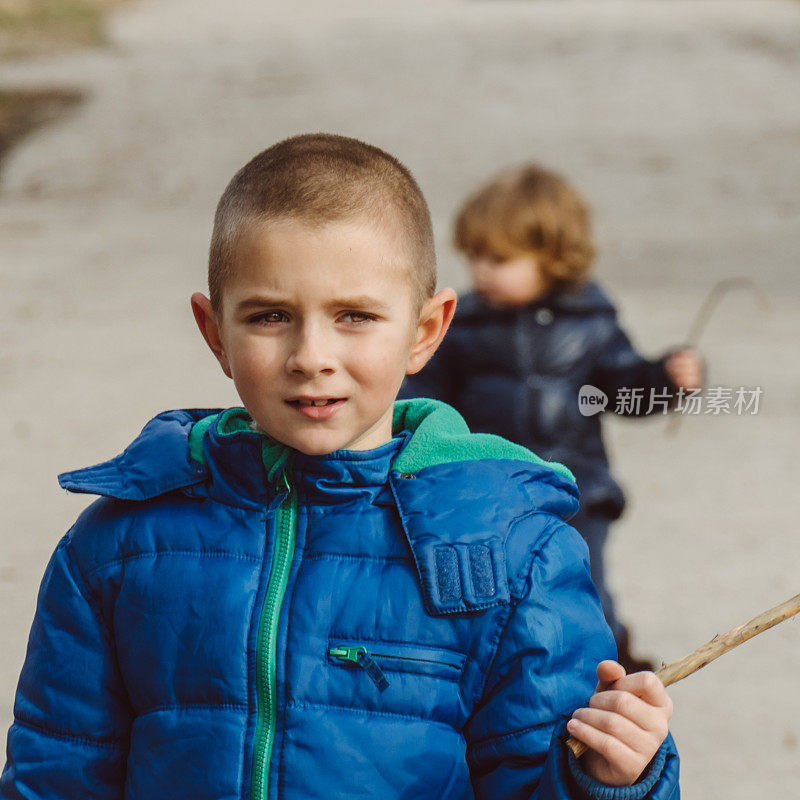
[{"x": 359, "y": 301}]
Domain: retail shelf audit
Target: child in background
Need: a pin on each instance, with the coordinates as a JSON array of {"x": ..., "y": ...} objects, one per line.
[
  {"x": 532, "y": 333},
  {"x": 325, "y": 592}
]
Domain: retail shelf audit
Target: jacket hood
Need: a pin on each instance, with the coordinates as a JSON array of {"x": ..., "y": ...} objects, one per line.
[
  {"x": 183, "y": 447},
  {"x": 455, "y": 520},
  {"x": 587, "y": 298},
  {"x": 158, "y": 460}
]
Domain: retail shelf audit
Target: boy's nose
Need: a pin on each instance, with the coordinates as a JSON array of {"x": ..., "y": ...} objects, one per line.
[
  {"x": 310, "y": 356},
  {"x": 481, "y": 276},
  {"x": 480, "y": 267}
]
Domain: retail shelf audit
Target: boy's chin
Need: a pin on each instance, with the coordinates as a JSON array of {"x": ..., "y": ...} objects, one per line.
[
  {"x": 310, "y": 446},
  {"x": 315, "y": 449},
  {"x": 313, "y": 445},
  {"x": 318, "y": 440}
]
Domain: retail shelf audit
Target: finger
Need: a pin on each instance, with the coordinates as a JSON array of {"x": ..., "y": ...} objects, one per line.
[
  {"x": 608, "y": 672},
  {"x": 680, "y": 372},
  {"x": 648, "y": 717},
  {"x": 683, "y": 370},
  {"x": 687, "y": 381},
  {"x": 647, "y": 686},
  {"x": 628, "y": 732},
  {"x": 612, "y": 749}
]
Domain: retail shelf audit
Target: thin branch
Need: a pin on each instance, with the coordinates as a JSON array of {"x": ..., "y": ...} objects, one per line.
[{"x": 677, "y": 670}]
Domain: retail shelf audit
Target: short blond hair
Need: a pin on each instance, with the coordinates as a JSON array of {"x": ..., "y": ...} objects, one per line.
[
  {"x": 319, "y": 178},
  {"x": 529, "y": 210}
]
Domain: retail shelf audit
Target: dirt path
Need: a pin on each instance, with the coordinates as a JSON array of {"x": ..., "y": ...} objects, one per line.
[{"x": 679, "y": 120}]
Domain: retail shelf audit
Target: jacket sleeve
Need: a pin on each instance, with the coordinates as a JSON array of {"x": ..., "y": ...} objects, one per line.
[
  {"x": 69, "y": 738},
  {"x": 544, "y": 668},
  {"x": 624, "y": 375}
]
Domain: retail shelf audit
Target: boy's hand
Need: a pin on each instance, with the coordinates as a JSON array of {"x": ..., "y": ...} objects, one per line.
[
  {"x": 625, "y": 724},
  {"x": 685, "y": 369}
]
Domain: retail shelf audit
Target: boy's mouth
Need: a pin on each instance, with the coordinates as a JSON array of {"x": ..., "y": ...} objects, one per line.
[
  {"x": 314, "y": 401},
  {"x": 317, "y": 407}
]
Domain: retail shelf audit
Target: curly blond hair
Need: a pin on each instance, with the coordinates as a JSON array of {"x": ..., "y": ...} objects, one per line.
[{"x": 529, "y": 210}]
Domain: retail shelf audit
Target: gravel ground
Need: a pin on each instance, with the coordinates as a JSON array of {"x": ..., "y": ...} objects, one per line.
[{"x": 679, "y": 120}]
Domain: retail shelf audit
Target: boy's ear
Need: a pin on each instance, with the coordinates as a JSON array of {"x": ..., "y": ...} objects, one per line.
[
  {"x": 434, "y": 320},
  {"x": 207, "y": 322}
]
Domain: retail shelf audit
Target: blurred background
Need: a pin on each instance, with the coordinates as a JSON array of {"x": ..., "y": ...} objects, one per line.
[{"x": 121, "y": 122}]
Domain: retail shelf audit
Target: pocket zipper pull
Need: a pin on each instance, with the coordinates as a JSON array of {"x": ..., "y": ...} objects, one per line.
[{"x": 361, "y": 658}]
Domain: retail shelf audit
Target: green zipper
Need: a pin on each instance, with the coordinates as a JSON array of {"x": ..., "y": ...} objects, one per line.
[{"x": 266, "y": 681}]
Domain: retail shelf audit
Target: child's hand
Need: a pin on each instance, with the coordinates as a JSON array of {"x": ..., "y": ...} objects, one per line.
[
  {"x": 685, "y": 369},
  {"x": 625, "y": 724}
]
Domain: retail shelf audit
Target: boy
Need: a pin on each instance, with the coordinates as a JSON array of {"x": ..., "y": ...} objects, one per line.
[
  {"x": 326, "y": 593},
  {"x": 534, "y": 333}
]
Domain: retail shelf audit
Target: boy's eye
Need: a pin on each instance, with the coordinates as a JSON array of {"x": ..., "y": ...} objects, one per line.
[
  {"x": 275, "y": 317},
  {"x": 486, "y": 256},
  {"x": 268, "y": 317},
  {"x": 493, "y": 258},
  {"x": 359, "y": 317}
]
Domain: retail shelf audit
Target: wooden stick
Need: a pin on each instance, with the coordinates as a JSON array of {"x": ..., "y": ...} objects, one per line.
[{"x": 677, "y": 670}]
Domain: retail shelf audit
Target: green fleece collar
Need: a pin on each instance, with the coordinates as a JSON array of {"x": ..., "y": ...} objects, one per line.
[
  {"x": 439, "y": 436},
  {"x": 274, "y": 454}
]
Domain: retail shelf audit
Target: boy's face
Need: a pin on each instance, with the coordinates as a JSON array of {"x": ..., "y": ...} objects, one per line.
[
  {"x": 322, "y": 314},
  {"x": 507, "y": 281}
]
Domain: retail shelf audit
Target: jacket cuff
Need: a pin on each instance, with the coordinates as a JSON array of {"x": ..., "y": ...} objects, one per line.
[{"x": 596, "y": 790}]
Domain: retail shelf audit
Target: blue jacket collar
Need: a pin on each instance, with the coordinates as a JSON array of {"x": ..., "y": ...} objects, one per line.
[
  {"x": 336, "y": 476},
  {"x": 217, "y": 452},
  {"x": 183, "y": 447}
]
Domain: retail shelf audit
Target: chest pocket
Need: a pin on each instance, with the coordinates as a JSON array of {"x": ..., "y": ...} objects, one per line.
[
  {"x": 399, "y": 710},
  {"x": 380, "y": 660},
  {"x": 426, "y": 659},
  {"x": 400, "y": 679}
]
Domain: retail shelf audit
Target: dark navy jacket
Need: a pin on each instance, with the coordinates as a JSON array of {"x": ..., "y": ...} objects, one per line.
[
  {"x": 234, "y": 619},
  {"x": 517, "y": 373}
]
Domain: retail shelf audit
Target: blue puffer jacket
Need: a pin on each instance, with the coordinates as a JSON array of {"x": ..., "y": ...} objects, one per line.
[
  {"x": 233, "y": 619},
  {"x": 517, "y": 372}
]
